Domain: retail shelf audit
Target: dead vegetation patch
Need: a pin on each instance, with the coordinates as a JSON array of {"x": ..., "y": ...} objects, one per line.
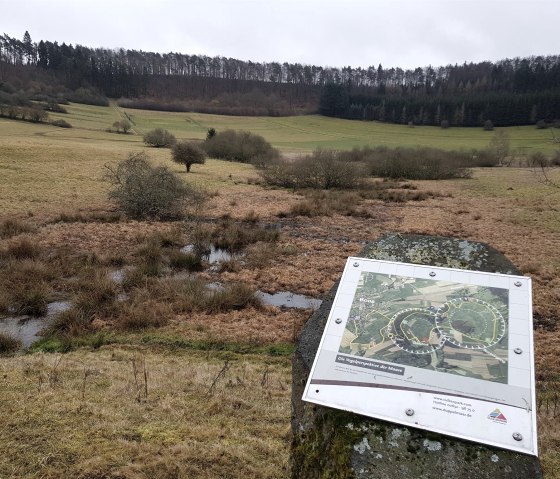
[{"x": 144, "y": 414}]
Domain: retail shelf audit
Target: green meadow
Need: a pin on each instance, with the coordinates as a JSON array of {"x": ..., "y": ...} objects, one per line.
[
  {"x": 49, "y": 168},
  {"x": 306, "y": 132}
]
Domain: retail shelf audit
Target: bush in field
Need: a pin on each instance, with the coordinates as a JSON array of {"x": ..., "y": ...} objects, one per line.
[
  {"x": 241, "y": 146},
  {"x": 485, "y": 159},
  {"x": 188, "y": 153},
  {"x": 54, "y": 106},
  {"x": 555, "y": 160},
  {"x": 322, "y": 169},
  {"x": 123, "y": 125},
  {"x": 420, "y": 163},
  {"x": 159, "y": 138},
  {"x": 61, "y": 123},
  {"x": 499, "y": 146},
  {"x": 538, "y": 160},
  {"x": 488, "y": 125},
  {"x": 142, "y": 190},
  {"x": 34, "y": 114},
  {"x": 417, "y": 163}
]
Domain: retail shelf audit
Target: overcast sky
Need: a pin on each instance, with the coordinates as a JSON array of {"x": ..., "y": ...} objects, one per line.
[{"x": 398, "y": 33}]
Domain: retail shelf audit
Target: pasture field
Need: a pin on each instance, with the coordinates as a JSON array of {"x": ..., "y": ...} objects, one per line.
[
  {"x": 307, "y": 132},
  {"x": 215, "y": 400}
]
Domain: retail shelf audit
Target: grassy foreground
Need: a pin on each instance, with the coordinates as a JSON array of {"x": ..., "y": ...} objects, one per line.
[{"x": 117, "y": 413}]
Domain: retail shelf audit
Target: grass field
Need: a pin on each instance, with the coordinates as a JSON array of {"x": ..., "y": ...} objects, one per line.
[
  {"x": 85, "y": 413},
  {"x": 306, "y": 132}
]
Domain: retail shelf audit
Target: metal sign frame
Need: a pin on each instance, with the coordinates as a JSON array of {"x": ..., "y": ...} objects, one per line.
[{"x": 441, "y": 349}]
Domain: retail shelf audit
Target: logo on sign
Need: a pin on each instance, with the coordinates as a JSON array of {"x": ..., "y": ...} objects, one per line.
[{"x": 497, "y": 416}]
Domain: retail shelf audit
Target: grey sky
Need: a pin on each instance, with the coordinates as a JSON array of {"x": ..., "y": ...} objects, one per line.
[{"x": 399, "y": 33}]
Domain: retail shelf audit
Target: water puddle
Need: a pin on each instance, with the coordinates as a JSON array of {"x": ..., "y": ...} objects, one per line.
[
  {"x": 285, "y": 299},
  {"x": 23, "y": 328},
  {"x": 117, "y": 275},
  {"x": 57, "y": 307},
  {"x": 216, "y": 255},
  {"x": 216, "y": 287},
  {"x": 27, "y": 328}
]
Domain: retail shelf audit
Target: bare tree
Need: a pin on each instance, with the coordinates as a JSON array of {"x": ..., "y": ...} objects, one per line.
[
  {"x": 188, "y": 153},
  {"x": 500, "y": 146}
]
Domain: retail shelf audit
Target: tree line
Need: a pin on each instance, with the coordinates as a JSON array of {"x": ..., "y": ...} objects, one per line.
[
  {"x": 510, "y": 91},
  {"x": 502, "y": 108}
]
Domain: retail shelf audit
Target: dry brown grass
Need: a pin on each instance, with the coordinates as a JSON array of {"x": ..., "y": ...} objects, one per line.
[
  {"x": 13, "y": 227},
  {"x": 87, "y": 415},
  {"x": 8, "y": 344}
]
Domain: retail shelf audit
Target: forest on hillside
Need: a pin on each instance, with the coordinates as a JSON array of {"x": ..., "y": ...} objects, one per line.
[{"x": 508, "y": 92}]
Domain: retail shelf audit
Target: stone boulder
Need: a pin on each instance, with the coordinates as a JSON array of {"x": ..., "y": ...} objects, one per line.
[{"x": 334, "y": 444}]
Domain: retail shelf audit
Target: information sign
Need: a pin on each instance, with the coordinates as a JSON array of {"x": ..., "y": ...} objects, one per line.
[{"x": 441, "y": 349}]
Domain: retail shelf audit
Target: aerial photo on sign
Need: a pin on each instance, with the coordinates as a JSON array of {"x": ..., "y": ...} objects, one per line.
[{"x": 435, "y": 325}]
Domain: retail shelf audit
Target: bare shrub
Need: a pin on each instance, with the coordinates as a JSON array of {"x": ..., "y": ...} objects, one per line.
[
  {"x": 145, "y": 191},
  {"x": 241, "y": 146},
  {"x": 37, "y": 115},
  {"x": 499, "y": 146},
  {"x": 159, "y": 138},
  {"x": 188, "y": 153},
  {"x": 122, "y": 126},
  {"x": 419, "y": 163},
  {"x": 61, "y": 123},
  {"x": 487, "y": 158},
  {"x": 538, "y": 160},
  {"x": 322, "y": 169}
]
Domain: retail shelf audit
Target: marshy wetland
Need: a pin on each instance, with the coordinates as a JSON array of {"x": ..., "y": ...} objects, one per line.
[{"x": 163, "y": 347}]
